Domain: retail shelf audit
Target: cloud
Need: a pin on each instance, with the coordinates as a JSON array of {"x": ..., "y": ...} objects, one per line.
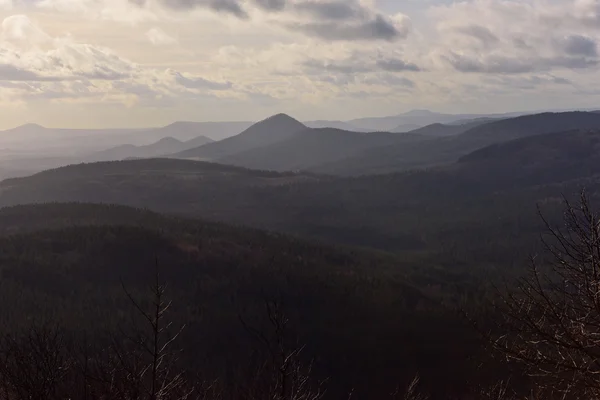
[
  {"x": 333, "y": 10},
  {"x": 479, "y": 32},
  {"x": 341, "y": 67},
  {"x": 69, "y": 71},
  {"x": 497, "y": 64},
  {"x": 378, "y": 28},
  {"x": 339, "y": 20},
  {"x": 362, "y": 62},
  {"x": 397, "y": 65},
  {"x": 518, "y": 37},
  {"x": 19, "y": 28},
  {"x": 527, "y": 82},
  {"x": 158, "y": 37},
  {"x": 200, "y": 83},
  {"x": 578, "y": 45},
  {"x": 12, "y": 73},
  {"x": 233, "y": 7},
  {"x": 271, "y": 5}
]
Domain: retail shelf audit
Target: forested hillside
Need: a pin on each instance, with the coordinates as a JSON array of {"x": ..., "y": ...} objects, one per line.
[
  {"x": 54, "y": 270},
  {"x": 310, "y": 148},
  {"x": 447, "y": 150}
]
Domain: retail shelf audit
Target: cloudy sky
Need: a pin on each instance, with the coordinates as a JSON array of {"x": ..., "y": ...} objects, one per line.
[{"x": 103, "y": 63}]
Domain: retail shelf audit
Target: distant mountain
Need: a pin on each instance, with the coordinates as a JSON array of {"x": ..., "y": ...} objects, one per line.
[
  {"x": 333, "y": 124},
  {"x": 534, "y": 160},
  {"x": 196, "y": 142},
  {"x": 185, "y": 130},
  {"x": 406, "y": 128},
  {"x": 163, "y": 147},
  {"x": 312, "y": 147},
  {"x": 272, "y": 130},
  {"x": 441, "y": 130},
  {"x": 420, "y": 118},
  {"x": 38, "y": 140},
  {"x": 41, "y": 141},
  {"x": 445, "y": 150}
]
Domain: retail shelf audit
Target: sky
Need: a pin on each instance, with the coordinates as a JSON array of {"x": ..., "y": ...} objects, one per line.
[{"x": 139, "y": 63}]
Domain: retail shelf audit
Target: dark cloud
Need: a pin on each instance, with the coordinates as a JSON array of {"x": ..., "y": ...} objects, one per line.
[
  {"x": 494, "y": 65},
  {"x": 397, "y": 65},
  {"x": 483, "y": 34},
  {"x": 333, "y": 10},
  {"x": 342, "y": 67},
  {"x": 513, "y": 65},
  {"x": 201, "y": 83},
  {"x": 360, "y": 64},
  {"x": 378, "y": 28},
  {"x": 232, "y": 7},
  {"x": 9, "y": 72},
  {"x": 271, "y": 5},
  {"x": 329, "y": 20},
  {"x": 560, "y": 81},
  {"x": 576, "y": 45},
  {"x": 526, "y": 82}
]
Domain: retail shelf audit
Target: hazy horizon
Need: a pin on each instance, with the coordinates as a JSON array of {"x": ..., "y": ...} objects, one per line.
[
  {"x": 216, "y": 121},
  {"x": 65, "y": 63}
]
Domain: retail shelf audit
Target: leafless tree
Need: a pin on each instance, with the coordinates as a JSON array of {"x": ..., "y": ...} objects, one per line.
[
  {"x": 142, "y": 365},
  {"x": 284, "y": 376},
  {"x": 551, "y": 323},
  {"x": 36, "y": 365},
  {"x": 411, "y": 392}
]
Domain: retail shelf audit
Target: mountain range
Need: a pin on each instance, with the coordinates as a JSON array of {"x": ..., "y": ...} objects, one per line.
[
  {"x": 368, "y": 240},
  {"x": 165, "y": 146},
  {"x": 272, "y": 130}
]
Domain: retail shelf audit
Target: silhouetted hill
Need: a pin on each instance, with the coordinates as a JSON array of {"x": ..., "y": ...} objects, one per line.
[
  {"x": 441, "y": 130},
  {"x": 400, "y": 212},
  {"x": 535, "y": 160},
  {"x": 187, "y": 130},
  {"x": 163, "y": 147},
  {"x": 313, "y": 147},
  {"x": 405, "y": 128},
  {"x": 419, "y": 118},
  {"x": 447, "y": 150},
  {"x": 319, "y": 124},
  {"x": 196, "y": 142},
  {"x": 272, "y": 130}
]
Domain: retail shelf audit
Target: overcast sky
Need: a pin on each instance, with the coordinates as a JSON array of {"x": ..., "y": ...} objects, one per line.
[{"x": 102, "y": 63}]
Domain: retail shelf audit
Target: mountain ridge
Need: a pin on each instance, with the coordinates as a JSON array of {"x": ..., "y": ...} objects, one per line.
[{"x": 268, "y": 131}]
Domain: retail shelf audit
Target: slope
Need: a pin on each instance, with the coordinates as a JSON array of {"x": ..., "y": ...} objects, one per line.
[
  {"x": 186, "y": 130},
  {"x": 427, "y": 212},
  {"x": 441, "y": 130},
  {"x": 319, "y": 124},
  {"x": 420, "y": 118},
  {"x": 164, "y": 146},
  {"x": 349, "y": 307},
  {"x": 313, "y": 147},
  {"x": 447, "y": 150},
  {"x": 537, "y": 160},
  {"x": 272, "y": 130}
]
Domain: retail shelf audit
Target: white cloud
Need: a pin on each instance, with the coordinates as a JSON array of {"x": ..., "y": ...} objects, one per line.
[
  {"x": 240, "y": 59},
  {"x": 64, "y": 70},
  {"x": 158, "y": 37}
]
